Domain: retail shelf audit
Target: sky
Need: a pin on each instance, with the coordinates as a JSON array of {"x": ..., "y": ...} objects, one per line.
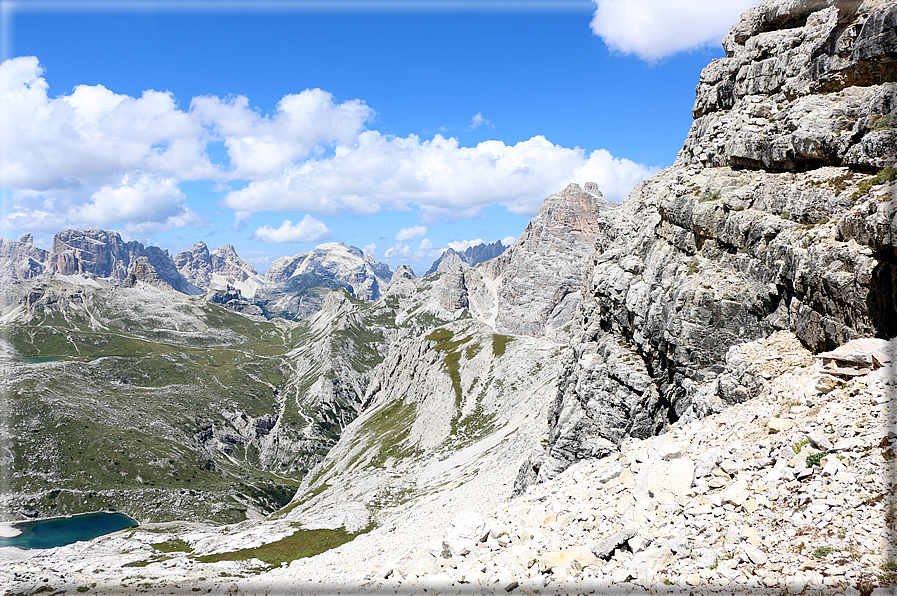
[{"x": 398, "y": 126}]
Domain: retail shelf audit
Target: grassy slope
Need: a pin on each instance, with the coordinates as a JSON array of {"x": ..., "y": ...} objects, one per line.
[{"x": 118, "y": 420}]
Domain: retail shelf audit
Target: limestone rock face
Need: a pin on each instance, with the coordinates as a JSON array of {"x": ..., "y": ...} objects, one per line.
[
  {"x": 217, "y": 270},
  {"x": 402, "y": 282},
  {"x": 457, "y": 406},
  {"x": 102, "y": 254},
  {"x": 714, "y": 252},
  {"x": 142, "y": 271},
  {"x": 21, "y": 260},
  {"x": 447, "y": 260},
  {"x": 803, "y": 84},
  {"x": 532, "y": 288},
  {"x": 346, "y": 265}
]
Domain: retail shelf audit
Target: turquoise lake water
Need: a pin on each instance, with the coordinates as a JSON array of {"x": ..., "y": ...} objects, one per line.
[
  {"x": 59, "y": 531},
  {"x": 41, "y": 359}
]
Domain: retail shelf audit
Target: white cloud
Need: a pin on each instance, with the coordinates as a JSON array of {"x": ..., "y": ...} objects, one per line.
[
  {"x": 370, "y": 249},
  {"x": 615, "y": 176},
  {"x": 91, "y": 135},
  {"x": 477, "y": 121},
  {"x": 95, "y": 157},
  {"x": 140, "y": 204},
  {"x": 411, "y": 233},
  {"x": 440, "y": 177},
  {"x": 426, "y": 250},
  {"x": 307, "y": 230},
  {"x": 397, "y": 250},
  {"x": 508, "y": 240},
  {"x": 462, "y": 245},
  {"x": 653, "y": 29},
  {"x": 261, "y": 146}
]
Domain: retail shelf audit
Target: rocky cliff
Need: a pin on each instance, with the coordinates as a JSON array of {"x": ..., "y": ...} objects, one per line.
[
  {"x": 21, "y": 260},
  {"x": 533, "y": 287},
  {"x": 693, "y": 311},
  {"x": 89, "y": 253},
  {"x": 218, "y": 269},
  {"x": 777, "y": 215}
]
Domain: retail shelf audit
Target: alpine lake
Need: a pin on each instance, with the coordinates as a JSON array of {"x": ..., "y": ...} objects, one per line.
[{"x": 59, "y": 531}]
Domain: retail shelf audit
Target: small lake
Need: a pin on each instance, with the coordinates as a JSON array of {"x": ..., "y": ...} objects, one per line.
[
  {"x": 35, "y": 359},
  {"x": 59, "y": 531}
]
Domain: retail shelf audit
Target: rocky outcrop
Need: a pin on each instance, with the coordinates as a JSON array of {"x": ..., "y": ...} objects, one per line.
[
  {"x": 712, "y": 253},
  {"x": 21, "y": 260},
  {"x": 803, "y": 84},
  {"x": 233, "y": 299},
  {"x": 702, "y": 507},
  {"x": 447, "y": 260},
  {"x": 217, "y": 270},
  {"x": 533, "y": 287},
  {"x": 141, "y": 271},
  {"x": 458, "y": 406},
  {"x": 472, "y": 255}
]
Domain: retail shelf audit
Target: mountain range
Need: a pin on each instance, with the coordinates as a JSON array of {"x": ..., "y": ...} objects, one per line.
[{"x": 690, "y": 390}]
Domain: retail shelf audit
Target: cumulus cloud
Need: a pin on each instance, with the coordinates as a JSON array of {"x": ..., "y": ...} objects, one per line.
[
  {"x": 95, "y": 157},
  {"x": 411, "y": 233},
  {"x": 262, "y": 146},
  {"x": 370, "y": 249},
  {"x": 440, "y": 177},
  {"x": 92, "y": 134},
  {"x": 508, "y": 240},
  {"x": 653, "y": 29},
  {"x": 397, "y": 250},
  {"x": 307, "y": 230},
  {"x": 426, "y": 250}
]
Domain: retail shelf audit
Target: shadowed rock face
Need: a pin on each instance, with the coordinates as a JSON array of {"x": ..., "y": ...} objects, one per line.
[{"x": 758, "y": 227}]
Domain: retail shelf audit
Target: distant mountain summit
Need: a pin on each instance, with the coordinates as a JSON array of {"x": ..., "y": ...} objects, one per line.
[
  {"x": 89, "y": 254},
  {"x": 297, "y": 286},
  {"x": 533, "y": 287},
  {"x": 218, "y": 269},
  {"x": 294, "y": 287},
  {"x": 473, "y": 255}
]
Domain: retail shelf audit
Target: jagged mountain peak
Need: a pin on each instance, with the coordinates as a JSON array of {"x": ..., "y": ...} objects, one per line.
[{"x": 472, "y": 255}]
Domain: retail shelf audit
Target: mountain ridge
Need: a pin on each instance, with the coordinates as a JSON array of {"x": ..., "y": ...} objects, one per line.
[{"x": 656, "y": 384}]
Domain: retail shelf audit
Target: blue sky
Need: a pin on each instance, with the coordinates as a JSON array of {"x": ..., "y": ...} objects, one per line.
[{"x": 400, "y": 126}]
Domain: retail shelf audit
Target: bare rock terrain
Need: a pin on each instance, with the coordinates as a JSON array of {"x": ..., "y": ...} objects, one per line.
[{"x": 692, "y": 391}]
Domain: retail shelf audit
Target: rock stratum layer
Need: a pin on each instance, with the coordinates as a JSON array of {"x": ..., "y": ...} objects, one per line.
[{"x": 713, "y": 252}]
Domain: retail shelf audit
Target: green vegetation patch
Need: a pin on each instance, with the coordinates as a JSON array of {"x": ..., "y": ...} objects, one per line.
[
  {"x": 499, "y": 343},
  {"x": 452, "y": 357},
  {"x": 822, "y": 552},
  {"x": 301, "y": 544},
  {"x": 710, "y": 196},
  {"x": 885, "y": 175},
  {"x": 174, "y": 545}
]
